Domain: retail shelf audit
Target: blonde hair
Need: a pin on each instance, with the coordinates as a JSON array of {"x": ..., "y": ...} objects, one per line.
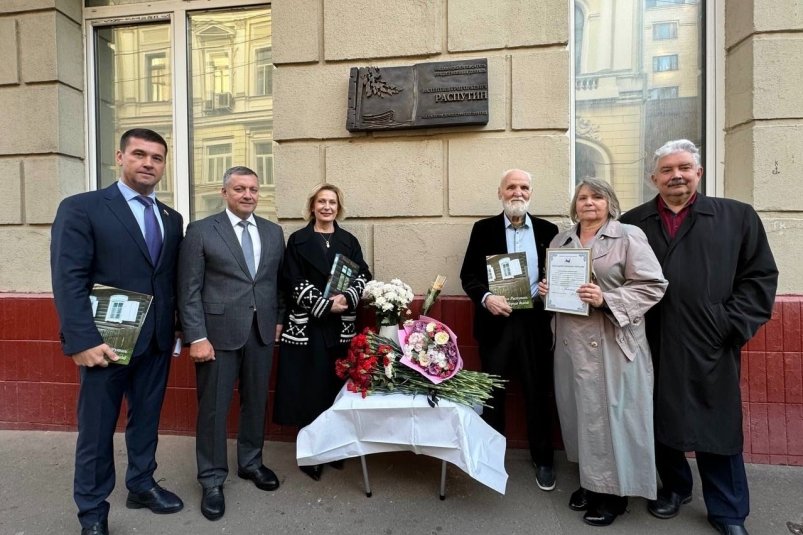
[{"x": 307, "y": 212}]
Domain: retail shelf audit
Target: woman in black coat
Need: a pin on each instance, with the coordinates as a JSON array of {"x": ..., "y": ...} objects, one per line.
[{"x": 317, "y": 330}]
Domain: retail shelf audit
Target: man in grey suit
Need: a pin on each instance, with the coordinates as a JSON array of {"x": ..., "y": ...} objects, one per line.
[{"x": 230, "y": 305}]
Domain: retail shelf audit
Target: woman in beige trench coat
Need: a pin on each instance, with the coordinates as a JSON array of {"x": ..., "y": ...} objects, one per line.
[{"x": 603, "y": 368}]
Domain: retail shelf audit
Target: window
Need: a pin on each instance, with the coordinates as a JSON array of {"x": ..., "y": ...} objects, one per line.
[
  {"x": 632, "y": 92},
  {"x": 666, "y": 3},
  {"x": 158, "y": 81},
  {"x": 264, "y": 72},
  {"x": 664, "y": 92},
  {"x": 219, "y": 53},
  {"x": 219, "y": 72},
  {"x": 218, "y": 160},
  {"x": 665, "y": 63},
  {"x": 263, "y": 156},
  {"x": 664, "y": 30}
]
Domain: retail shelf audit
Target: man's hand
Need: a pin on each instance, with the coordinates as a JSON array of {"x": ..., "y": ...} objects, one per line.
[
  {"x": 95, "y": 356},
  {"x": 202, "y": 351},
  {"x": 497, "y": 305},
  {"x": 339, "y": 303},
  {"x": 279, "y": 327}
]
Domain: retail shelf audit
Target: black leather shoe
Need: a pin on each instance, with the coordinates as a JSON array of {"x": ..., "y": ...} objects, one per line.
[
  {"x": 98, "y": 528},
  {"x": 263, "y": 477},
  {"x": 667, "y": 505},
  {"x": 337, "y": 465},
  {"x": 314, "y": 471},
  {"x": 728, "y": 529},
  {"x": 579, "y": 499},
  {"x": 158, "y": 500},
  {"x": 605, "y": 511},
  {"x": 545, "y": 477},
  {"x": 213, "y": 503}
]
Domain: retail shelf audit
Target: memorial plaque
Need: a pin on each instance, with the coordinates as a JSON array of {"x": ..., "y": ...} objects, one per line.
[{"x": 425, "y": 95}]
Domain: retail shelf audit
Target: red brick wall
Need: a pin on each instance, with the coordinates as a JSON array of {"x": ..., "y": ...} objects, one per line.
[{"x": 38, "y": 385}]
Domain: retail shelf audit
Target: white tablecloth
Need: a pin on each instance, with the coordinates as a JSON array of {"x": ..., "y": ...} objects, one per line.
[{"x": 356, "y": 426}]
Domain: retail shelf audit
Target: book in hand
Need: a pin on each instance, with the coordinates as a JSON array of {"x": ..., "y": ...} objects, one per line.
[
  {"x": 119, "y": 315},
  {"x": 508, "y": 276},
  {"x": 344, "y": 271}
]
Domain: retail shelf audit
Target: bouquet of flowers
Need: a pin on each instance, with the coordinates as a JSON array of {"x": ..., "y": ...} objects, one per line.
[
  {"x": 372, "y": 365},
  {"x": 390, "y": 299},
  {"x": 430, "y": 348}
]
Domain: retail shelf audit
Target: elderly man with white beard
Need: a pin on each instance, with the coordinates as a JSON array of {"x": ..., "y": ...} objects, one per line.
[{"x": 515, "y": 343}]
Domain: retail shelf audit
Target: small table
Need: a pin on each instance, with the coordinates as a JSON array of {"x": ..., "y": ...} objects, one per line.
[{"x": 355, "y": 426}]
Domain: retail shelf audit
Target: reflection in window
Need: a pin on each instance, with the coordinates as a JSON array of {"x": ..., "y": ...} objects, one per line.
[
  {"x": 664, "y": 30},
  {"x": 158, "y": 81},
  {"x": 219, "y": 72},
  {"x": 663, "y": 3},
  {"x": 218, "y": 159},
  {"x": 664, "y": 92},
  {"x": 637, "y": 86},
  {"x": 230, "y": 76},
  {"x": 665, "y": 63},
  {"x": 263, "y": 154},
  {"x": 131, "y": 69},
  {"x": 264, "y": 72}
]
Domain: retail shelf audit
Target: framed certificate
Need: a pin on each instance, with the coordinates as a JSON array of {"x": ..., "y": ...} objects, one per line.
[{"x": 566, "y": 270}]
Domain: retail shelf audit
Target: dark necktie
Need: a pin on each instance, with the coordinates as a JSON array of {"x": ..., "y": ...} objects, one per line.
[
  {"x": 248, "y": 248},
  {"x": 153, "y": 236}
]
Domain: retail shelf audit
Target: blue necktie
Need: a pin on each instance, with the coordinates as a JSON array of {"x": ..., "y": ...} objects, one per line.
[
  {"x": 248, "y": 248},
  {"x": 153, "y": 236}
]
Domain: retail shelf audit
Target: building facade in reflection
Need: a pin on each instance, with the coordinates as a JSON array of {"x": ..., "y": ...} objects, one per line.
[
  {"x": 230, "y": 97},
  {"x": 638, "y": 82}
]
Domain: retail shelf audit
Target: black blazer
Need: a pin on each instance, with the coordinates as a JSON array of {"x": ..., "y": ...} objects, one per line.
[
  {"x": 488, "y": 238},
  {"x": 95, "y": 239}
]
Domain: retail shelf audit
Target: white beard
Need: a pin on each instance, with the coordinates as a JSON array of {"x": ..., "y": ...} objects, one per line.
[{"x": 515, "y": 208}]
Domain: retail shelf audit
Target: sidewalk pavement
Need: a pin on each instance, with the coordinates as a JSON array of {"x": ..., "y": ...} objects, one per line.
[{"x": 36, "y": 497}]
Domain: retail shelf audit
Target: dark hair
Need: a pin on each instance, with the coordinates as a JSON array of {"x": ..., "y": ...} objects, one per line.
[
  {"x": 142, "y": 133},
  {"x": 239, "y": 170}
]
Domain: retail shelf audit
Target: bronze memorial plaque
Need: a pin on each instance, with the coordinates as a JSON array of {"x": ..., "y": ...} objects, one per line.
[{"x": 444, "y": 93}]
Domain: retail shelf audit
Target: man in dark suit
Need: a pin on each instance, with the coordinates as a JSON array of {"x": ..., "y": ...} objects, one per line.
[
  {"x": 118, "y": 237},
  {"x": 230, "y": 308},
  {"x": 515, "y": 343},
  {"x": 722, "y": 280}
]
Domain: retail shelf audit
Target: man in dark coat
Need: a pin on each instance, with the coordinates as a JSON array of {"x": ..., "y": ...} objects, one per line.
[
  {"x": 722, "y": 281},
  {"x": 515, "y": 343}
]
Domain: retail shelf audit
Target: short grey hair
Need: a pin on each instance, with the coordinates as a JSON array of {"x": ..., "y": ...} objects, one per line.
[
  {"x": 602, "y": 188},
  {"x": 676, "y": 145},
  {"x": 239, "y": 170},
  {"x": 511, "y": 171}
]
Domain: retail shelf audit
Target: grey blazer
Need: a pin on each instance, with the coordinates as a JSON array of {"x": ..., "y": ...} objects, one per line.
[{"x": 216, "y": 294}]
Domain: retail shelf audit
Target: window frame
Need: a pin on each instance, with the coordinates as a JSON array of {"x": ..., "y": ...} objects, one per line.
[
  {"x": 673, "y": 33},
  {"x": 176, "y": 13}
]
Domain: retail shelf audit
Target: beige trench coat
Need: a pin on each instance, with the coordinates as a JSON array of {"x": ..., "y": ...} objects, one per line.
[{"x": 603, "y": 368}]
